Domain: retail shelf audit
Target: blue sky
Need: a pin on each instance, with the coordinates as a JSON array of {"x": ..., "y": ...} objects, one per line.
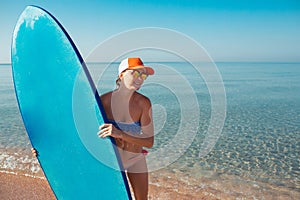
[{"x": 229, "y": 30}]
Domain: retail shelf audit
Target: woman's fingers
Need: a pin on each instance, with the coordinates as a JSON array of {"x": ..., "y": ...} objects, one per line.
[
  {"x": 34, "y": 152},
  {"x": 103, "y": 126},
  {"x": 102, "y": 134},
  {"x": 108, "y": 130},
  {"x": 105, "y": 130}
]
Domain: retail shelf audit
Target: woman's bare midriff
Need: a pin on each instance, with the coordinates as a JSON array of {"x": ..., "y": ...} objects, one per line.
[{"x": 128, "y": 147}]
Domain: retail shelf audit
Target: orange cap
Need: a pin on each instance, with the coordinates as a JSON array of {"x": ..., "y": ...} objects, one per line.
[{"x": 134, "y": 63}]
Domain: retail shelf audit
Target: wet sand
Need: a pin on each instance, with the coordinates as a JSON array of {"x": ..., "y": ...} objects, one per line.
[
  {"x": 166, "y": 187},
  {"x": 15, "y": 187}
]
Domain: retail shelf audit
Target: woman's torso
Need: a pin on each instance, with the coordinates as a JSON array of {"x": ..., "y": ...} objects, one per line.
[{"x": 124, "y": 115}]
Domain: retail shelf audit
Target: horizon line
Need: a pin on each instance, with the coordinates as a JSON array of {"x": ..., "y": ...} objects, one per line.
[{"x": 173, "y": 61}]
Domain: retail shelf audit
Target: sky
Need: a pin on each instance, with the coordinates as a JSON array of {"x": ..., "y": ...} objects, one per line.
[{"x": 229, "y": 30}]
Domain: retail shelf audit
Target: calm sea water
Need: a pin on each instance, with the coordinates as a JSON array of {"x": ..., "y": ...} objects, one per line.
[{"x": 260, "y": 139}]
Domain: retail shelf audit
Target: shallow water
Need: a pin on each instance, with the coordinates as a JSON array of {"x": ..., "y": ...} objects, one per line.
[{"x": 259, "y": 146}]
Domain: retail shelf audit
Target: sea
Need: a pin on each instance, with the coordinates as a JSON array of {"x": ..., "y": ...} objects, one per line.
[{"x": 233, "y": 127}]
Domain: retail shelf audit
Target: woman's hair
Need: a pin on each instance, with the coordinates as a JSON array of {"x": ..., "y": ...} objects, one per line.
[{"x": 118, "y": 81}]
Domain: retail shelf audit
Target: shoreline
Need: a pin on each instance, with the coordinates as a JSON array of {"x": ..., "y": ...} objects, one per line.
[
  {"x": 162, "y": 186},
  {"x": 18, "y": 186}
]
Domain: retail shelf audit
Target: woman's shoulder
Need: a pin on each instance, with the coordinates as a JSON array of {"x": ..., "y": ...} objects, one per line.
[
  {"x": 106, "y": 94},
  {"x": 142, "y": 99},
  {"x": 106, "y": 97}
]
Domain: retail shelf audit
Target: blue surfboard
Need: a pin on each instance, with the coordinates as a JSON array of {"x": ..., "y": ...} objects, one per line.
[{"x": 61, "y": 111}]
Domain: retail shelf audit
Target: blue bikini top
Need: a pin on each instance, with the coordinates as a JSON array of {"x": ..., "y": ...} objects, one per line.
[{"x": 134, "y": 128}]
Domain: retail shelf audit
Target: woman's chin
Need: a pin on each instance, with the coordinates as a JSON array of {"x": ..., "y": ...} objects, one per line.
[
  {"x": 136, "y": 87},
  {"x": 133, "y": 88}
]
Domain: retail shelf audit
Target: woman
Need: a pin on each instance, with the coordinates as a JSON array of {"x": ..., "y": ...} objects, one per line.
[{"x": 129, "y": 115}]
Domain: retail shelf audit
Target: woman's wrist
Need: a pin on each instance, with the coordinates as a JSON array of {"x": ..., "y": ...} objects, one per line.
[{"x": 120, "y": 134}]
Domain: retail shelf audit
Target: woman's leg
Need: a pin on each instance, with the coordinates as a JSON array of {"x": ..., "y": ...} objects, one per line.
[{"x": 138, "y": 178}]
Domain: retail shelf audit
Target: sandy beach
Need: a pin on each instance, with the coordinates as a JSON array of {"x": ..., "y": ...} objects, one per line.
[
  {"x": 17, "y": 187},
  {"x": 14, "y": 186}
]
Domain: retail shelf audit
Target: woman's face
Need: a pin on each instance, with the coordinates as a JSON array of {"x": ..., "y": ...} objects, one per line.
[{"x": 133, "y": 79}]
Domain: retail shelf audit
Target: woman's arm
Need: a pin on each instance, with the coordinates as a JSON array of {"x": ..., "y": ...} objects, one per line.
[{"x": 146, "y": 139}]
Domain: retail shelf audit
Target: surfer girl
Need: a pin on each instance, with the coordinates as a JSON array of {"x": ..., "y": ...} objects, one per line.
[{"x": 129, "y": 115}]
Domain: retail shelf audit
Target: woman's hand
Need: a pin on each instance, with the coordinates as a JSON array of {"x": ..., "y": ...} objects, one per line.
[
  {"x": 34, "y": 152},
  {"x": 109, "y": 130}
]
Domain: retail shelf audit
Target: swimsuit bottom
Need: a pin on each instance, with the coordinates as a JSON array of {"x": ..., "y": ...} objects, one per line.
[{"x": 133, "y": 158}]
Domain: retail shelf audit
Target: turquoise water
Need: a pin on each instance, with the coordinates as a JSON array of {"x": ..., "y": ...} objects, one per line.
[{"x": 260, "y": 140}]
